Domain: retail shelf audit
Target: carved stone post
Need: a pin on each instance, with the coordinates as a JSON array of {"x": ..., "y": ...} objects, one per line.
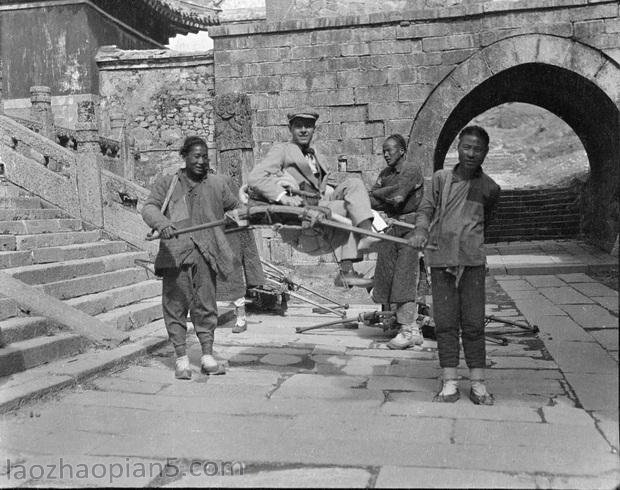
[
  {"x": 233, "y": 136},
  {"x": 41, "y": 109},
  {"x": 88, "y": 171}
]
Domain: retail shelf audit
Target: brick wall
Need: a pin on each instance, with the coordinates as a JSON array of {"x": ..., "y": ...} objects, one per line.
[
  {"x": 164, "y": 96},
  {"x": 369, "y": 74}
]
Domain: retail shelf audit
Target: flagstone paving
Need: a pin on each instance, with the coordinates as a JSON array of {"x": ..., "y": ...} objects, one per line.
[{"x": 334, "y": 407}]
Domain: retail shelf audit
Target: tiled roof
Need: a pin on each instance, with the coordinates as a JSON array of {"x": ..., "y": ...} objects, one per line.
[
  {"x": 184, "y": 15},
  {"x": 187, "y": 13}
]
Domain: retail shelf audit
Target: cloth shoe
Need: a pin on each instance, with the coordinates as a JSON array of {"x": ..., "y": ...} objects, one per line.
[
  {"x": 408, "y": 336},
  {"x": 182, "y": 369},
  {"x": 352, "y": 278},
  {"x": 449, "y": 392},
  {"x": 479, "y": 394},
  {"x": 208, "y": 365}
]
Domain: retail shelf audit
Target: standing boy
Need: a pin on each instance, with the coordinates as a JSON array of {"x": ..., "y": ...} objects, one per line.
[{"x": 453, "y": 215}]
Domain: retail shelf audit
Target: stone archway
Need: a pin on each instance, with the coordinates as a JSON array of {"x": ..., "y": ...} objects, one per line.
[{"x": 574, "y": 81}]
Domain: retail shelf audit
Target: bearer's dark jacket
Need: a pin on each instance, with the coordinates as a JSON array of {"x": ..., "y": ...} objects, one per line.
[{"x": 192, "y": 203}]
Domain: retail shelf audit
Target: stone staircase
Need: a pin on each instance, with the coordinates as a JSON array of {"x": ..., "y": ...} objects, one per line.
[
  {"x": 537, "y": 214},
  {"x": 63, "y": 257}
]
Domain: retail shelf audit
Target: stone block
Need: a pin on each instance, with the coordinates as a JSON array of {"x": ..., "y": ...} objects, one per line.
[
  {"x": 414, "y": 92},
  {"x": 355, "y": 49},
  {"x": 403, "y": 476},
  {"x": 583, "y": 357},
  {"x": 532, "y": 435},
  {"x": 352, "y": 113},
  {"x": 607, "y": 338},
  {"x": 364, "y": 95},
  {"x": 567, "y": 416},
  {"x": 565, "y": 296},
  {"x": 561, "y": 329},
  {"x": 515, "y": 285},
  {"x": 421, "y": 31},
  {"x": 402, "y": 126},
  {"x": 579, "y": 277},
  {"x": 544, "y": 281},
  {"x": 588, "y": 28},
  {"x": 360, "y": 78},
  {"x": 596, "y": 289},
  {"x": 315, "y": 52},
  {"x": 399, "y": 46},
  {"x": 324, "y": 477},
  {"x": 457, "y": 41},
  {"x": 535, "y": 308},
  {"x": 362, "y": 130},
  {"x": 591, "y": 316},
  {"x": 324, "y": 387},
  {"x": 595, "y": 391},
  {"x": 607, "y": 302}
]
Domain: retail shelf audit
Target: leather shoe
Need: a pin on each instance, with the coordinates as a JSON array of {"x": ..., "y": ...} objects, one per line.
[
  {"x": 486, "y": 399},
  {"x": 439, "y": 398}
]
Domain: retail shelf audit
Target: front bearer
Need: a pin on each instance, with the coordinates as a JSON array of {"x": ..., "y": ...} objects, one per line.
[{"x": 453, "y": 215}]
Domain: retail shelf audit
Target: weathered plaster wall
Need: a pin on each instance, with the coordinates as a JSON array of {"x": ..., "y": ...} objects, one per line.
[
  {"x": 55, "y": 46},
  {"x": 164, "y": 97}
]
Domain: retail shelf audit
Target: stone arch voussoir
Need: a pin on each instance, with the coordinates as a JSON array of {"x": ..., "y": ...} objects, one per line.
[{"x": 566, "y": 53}]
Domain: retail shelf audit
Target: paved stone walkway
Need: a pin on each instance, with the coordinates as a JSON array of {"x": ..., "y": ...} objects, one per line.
[{"x": 335, "y": 407}]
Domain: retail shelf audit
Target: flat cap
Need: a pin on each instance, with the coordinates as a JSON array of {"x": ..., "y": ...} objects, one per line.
[{"x": 302, "y": 114}]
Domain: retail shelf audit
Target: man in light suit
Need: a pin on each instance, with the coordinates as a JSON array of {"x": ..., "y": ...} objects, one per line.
[{"x": 296, "y": 165}]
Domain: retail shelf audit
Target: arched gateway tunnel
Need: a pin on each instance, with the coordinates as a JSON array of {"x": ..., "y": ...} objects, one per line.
[
  {"x": 574, "y": 81},
  {"x": 426, "y": 73}
]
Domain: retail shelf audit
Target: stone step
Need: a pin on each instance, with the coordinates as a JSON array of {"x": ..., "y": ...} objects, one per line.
[
  {"x": 27, "y": 354},
  {"x": 58, "y": 254},
  {"x": 15, "y": 259},
  {"x": 24, "y": 213},
  {"x": 22, "y": 328},
  {"x": 32, "y": 226},
  {"x": 135, "y": 315},
  {"x": 70, "y": 269},
  {"x": 78, "y": 251},
  {"x": 20, "y": 202},
  {"x": 105, "y": 301},
  {"x": 97, "y": 283},
  {"x": 8, "y": 308},
  {"x": 29, "y": 242}
]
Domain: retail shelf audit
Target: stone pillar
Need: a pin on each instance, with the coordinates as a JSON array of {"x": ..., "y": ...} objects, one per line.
[
  {"x": 117, "y": 121},
  {"x": 233, "y": 136},
  {"x": 41, "y": 109},
  {"x": 1, "y": 89},
  {"x": 88, "y": 162},
  {"x": 117, "y": 129}
]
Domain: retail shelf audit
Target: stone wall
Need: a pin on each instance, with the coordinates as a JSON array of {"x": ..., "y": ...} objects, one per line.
[
  {"x": 164, "y": 96},
  {"x": 368, "y": 75},
  {"x": 425, "y": 73}
]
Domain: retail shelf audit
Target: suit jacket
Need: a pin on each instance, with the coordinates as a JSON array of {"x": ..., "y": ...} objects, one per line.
[{"x": 286, "y": 162}]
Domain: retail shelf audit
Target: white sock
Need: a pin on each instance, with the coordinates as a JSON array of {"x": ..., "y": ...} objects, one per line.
[
  {"x": 208, "y": 361},
  {"x": 449, "y": 387},
  {"x": 182, "y": 362}
]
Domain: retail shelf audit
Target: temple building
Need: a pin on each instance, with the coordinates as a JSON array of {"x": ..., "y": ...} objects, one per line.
[{"x": 53, "y": 43}]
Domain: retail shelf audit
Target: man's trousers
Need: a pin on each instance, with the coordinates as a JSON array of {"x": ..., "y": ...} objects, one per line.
[
  {"x": 459, "y": 309},
  {"x": 190, "y": 288}
]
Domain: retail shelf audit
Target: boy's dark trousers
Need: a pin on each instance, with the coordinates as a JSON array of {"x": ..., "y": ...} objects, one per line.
[{"x": 459, "y": 309}]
